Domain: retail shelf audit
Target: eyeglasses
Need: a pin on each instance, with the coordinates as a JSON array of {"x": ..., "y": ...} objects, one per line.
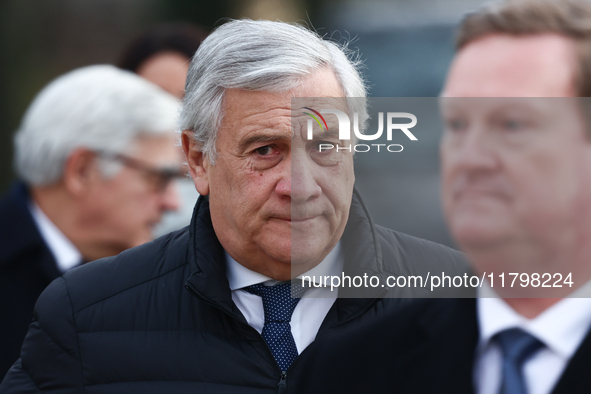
[{"x": 159, "y": 178}]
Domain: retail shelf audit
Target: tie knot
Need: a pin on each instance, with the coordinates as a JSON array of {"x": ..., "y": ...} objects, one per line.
[
  {"x": 518, "y": 345},
  {"x": 279, "y": 301}
]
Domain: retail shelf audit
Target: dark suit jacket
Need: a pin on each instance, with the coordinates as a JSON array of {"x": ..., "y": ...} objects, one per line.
[
  {"x": 26, "y": 268},
  {"x": 428, "y": 347}
]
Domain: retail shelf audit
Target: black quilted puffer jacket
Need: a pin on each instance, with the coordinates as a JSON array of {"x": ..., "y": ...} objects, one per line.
[{"x": 159, "y": 318}]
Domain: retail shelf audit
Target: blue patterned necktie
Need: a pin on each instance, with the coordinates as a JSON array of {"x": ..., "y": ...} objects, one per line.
[
  {"x": 517, "y": 347},
  {"x": 279, "y": 305}
]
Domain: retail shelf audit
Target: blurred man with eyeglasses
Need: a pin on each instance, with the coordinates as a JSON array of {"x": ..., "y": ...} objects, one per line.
[{"x": 95, "y": 155}]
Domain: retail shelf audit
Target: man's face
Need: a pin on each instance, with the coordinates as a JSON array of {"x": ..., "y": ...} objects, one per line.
[
  {"x": 274, "y": 203},
  {"x": 123, "y": 210},
  {"x": 515, "y": 170}
]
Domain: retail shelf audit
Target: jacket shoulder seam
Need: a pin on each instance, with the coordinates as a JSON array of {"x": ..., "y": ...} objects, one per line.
[{"x": 127, "y": 288}]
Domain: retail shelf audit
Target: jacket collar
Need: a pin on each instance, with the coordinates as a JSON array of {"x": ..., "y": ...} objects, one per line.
[
  {"x": 361, "y": 249},
  {"x": 363, "y": 256},
  {"x": 206, "y": 258}
]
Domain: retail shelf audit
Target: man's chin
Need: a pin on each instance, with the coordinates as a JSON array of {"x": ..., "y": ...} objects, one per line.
[
  {"x": 296, "y": 258},
  {"x": 307, "y": 254},
  {"x": 477, "y": 236},
  {"x": 140, "y": 239}
]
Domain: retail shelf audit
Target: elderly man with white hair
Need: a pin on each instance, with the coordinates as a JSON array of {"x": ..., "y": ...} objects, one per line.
[
  {"x": 94, "y": 154},
  {"x": 212, "y": 308}
]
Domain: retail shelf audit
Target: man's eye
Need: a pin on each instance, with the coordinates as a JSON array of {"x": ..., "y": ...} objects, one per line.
[
  {"x": 456, "y": 124},
  {"x": 264, "y": 150},
  {"x": 323, "y": 146},
  {"x": 512, "y": 124}
]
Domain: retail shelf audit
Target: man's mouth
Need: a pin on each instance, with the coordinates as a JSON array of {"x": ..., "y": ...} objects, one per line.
[
  {"x": 478, "y": 193},
  {"x": 302, "y": 219},
  {"x": 152, "y": 224},
  {"x": 492, "y": 188},
  {"x": 295, "y": 219}
]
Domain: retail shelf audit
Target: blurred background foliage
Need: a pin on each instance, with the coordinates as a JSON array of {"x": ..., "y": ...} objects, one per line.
[{"x": 407, "y": 46}]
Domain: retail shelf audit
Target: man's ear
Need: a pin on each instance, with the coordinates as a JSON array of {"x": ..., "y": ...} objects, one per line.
[
  {"x": 197, "y": 162},
  {"x": 80, "y": 172}
]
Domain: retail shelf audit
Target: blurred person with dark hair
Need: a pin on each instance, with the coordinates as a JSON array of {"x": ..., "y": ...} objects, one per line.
[
  {"x": 162, "y": 56},
  {"x": 209, "y": 308},
  {"x": 516, "y": 177},
  {"x": 94, "y": 154}
]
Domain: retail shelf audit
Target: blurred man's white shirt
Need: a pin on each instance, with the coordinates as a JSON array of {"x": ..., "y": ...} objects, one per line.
[{"x": 65, "y": 253}]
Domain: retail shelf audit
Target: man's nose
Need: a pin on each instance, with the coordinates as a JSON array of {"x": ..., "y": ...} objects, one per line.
[
  {"x": 475, "y": 152},
  {"x": 169, "y": 199},
  {"x": 302, "y": 180}
]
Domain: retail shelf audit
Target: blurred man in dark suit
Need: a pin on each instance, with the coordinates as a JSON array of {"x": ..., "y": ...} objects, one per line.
[
  {"x": 516, "y": 168},
  {"x": 94, "y": 154}
]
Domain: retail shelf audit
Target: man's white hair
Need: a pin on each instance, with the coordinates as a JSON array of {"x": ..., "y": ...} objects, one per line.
[
  {"x": 101, "y": 108},
  {"x": 261, "y": 56}
]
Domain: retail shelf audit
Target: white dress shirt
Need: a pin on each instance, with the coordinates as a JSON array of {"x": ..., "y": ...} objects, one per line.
[
  {"x": 562, "y": 328},
  {"x": 308, "y": 314},
  {"x": 65, "y": 253}
]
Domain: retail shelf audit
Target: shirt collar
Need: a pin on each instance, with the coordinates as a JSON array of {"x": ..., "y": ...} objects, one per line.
[
  {"x": 562, "y": 327},
  {"x": 65, "y": 253},
  {"x": 239, "y": 276}
]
